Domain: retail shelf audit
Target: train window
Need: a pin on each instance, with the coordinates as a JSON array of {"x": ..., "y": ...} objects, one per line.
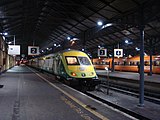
[
  {"x": 130, "y": 63},
  {"x": 117, "y": 63},
  {"x": 134, "y": 63},
  {"x": 84, "y": 61},
  {"x": 146, "y": 63},
  {"x": 108, "y": 63},
  {"x": 156, "y": 63},
  {"x": 72, "y": 60}
]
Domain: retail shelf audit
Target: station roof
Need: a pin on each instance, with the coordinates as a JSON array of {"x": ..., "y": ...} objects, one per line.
[{"x": 48, "y": 23}]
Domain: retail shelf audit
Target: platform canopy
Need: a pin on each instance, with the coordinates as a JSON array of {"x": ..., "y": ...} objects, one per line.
[{"x": 48, "y": 24}]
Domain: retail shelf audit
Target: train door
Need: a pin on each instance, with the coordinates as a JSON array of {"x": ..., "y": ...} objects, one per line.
[
  {"x": 55, "y": 61},
  {"x": 50, "y": 63},
  {"x": 55, "y": 64}
]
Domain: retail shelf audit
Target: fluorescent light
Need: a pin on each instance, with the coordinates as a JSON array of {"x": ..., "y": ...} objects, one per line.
[{"x": 107, "y": 25}]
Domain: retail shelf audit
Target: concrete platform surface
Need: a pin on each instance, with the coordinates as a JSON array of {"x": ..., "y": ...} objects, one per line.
[{"x": 29, "y": 95}]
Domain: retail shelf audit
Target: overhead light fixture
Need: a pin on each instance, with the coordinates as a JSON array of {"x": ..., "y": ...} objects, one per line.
[
  {"x": 75, "y": 39},
  {"x": 5, "y": 33},
  {"x": 9, "y": 42},
  {"x": 145, "y": 54},
  {"x": 68, "y": 38},
  {"x": 129, "y": 42},
  {"x": 3, "y": 38},
  {"x": 126, "y": 41},
  {"x": 99, "y": 23},
  {"x": 107, "y": 25},
  {"x": 137, "y": 49},
  {"x": 58, "y": 45}
]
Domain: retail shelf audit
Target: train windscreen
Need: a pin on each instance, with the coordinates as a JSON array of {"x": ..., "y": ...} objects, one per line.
[
  {"x": 72, "y": 60},
  {"x": 84, "y": 61}
]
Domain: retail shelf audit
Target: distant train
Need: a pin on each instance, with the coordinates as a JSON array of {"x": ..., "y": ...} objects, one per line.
[
  {"x": 72, "y": 66},
  {"x": 128, "y": 64}
]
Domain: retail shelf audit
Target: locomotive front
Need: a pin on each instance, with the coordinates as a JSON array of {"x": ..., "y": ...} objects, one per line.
[{"x": 79, "y": 68}]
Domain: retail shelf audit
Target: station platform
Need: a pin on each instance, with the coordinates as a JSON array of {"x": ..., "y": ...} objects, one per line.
[
  {"x": 28, "y": 94},
  {"x": 155, "y": 78}
]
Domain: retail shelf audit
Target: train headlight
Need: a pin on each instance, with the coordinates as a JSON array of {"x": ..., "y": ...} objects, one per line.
[
  {"x": 83, "y": 74},
  {"x": 92, "y": 73},
  {"x": 73, "y": 74}
]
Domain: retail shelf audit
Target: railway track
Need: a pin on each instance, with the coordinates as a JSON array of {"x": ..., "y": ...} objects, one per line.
[
  {"x": 120, "y": 108},
  {"x": 107, "y": 87},
  {"x": 115, "y": 106},
  {"x": 131, "y": 89}
]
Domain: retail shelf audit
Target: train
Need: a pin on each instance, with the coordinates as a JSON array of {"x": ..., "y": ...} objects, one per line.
[
  {"x": 72, "y": 66},
  {"x": 128, "y": 64}
]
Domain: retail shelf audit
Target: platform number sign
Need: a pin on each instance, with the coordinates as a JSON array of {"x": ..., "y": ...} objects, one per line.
[
  {"x": 102, "y": 52},
  {"x": 33, "y": 50},
  {"x": 118, "y": 52}
]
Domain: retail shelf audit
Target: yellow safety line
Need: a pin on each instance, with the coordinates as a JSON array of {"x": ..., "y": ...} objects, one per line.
[{"x": 74, "y": 99}]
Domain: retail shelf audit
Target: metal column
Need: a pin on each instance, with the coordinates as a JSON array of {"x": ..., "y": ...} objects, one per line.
[
  {"x": 84, "y": 40},
  {"x": 113, "y": 59},
  {"x": 14, "y": 39},
  {"x": 141, "y": 81},
  {"x": 150, "y": 73}
]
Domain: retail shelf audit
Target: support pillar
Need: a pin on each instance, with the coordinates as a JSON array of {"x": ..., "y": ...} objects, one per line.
[
  {"x": 141, "y": 81},
  {"x": 150, "y": 73},
  {"x": 112, "y": 59}
]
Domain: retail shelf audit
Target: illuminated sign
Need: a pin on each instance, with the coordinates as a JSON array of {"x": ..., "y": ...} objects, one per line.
[
  {"x": 33, "y": 50},
  {"x": 102, "y": 52},
  {"x": 14, "y": 49},
  {"x": 118, "y": 52}
]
